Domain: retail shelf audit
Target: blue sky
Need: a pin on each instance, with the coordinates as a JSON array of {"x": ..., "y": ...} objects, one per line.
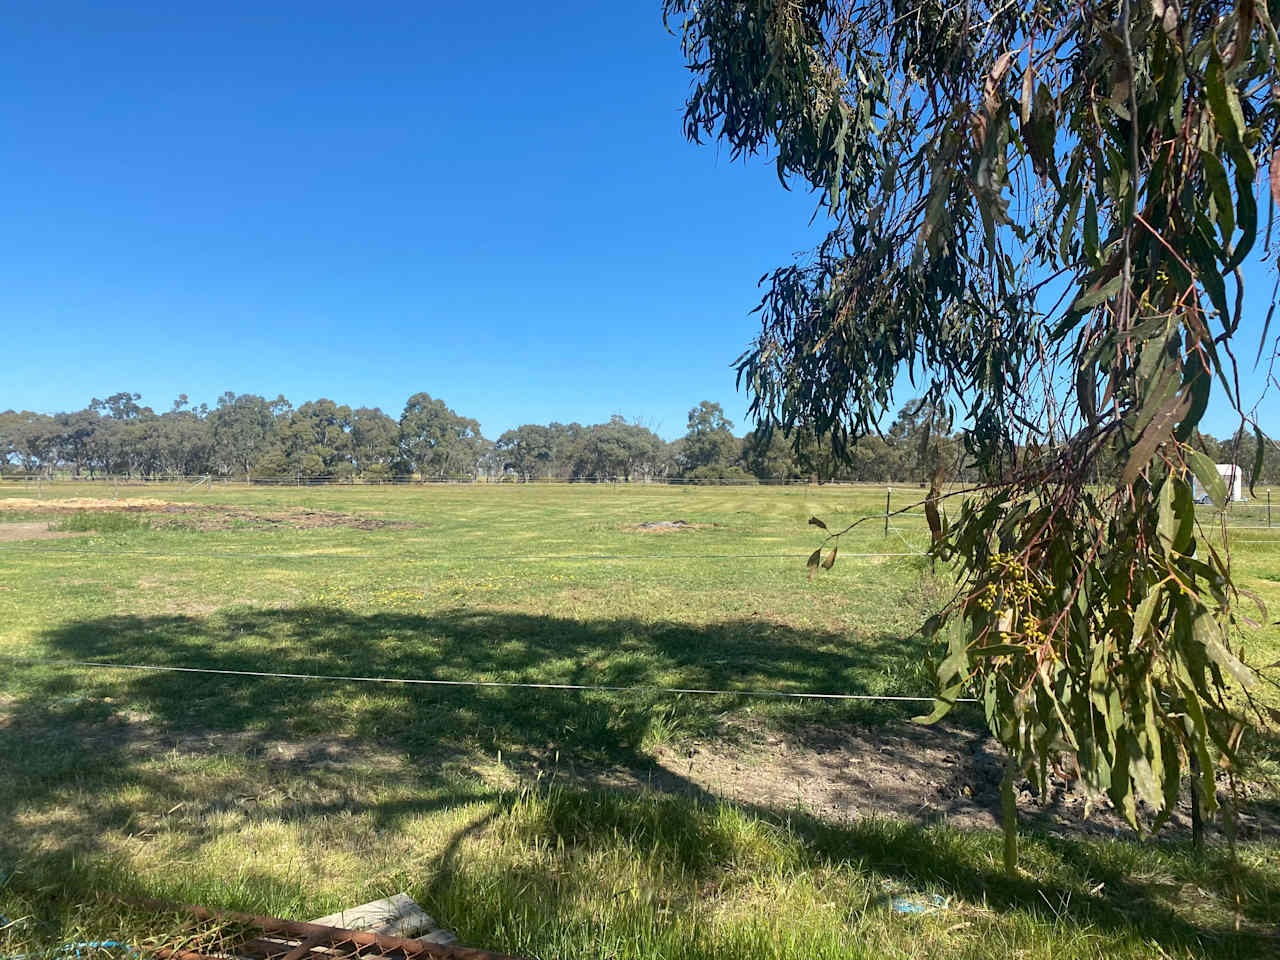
[{"x": 494, "y": 204}]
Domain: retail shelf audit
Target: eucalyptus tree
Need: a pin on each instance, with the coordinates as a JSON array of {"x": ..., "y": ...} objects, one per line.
[
  {"x": 316, "y": 439},
  {"x": 1044, "y": 213},
  {"x": 374, "y": 439},
  {"x": 243, "y": 427},
  {"x": 437, "y": 442},
  {"x": 709, "y": 440},
  {"x": 527, "y": 450},
  {"x": 30, "y": 439}
]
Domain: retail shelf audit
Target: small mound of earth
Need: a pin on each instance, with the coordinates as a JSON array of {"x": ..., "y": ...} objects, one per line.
[{"x": 663, "y": 526}]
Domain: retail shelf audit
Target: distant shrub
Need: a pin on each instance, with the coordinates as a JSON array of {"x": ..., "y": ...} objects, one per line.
[{"x": 92, "y": 521}]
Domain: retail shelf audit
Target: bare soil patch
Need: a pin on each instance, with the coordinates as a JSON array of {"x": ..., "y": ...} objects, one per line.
[
  {"x": 10, "y": 532},
  {"x": 198, "y": 516},
  {"x": 903, "y": 771},
  {"x": 663, "y": 526}
]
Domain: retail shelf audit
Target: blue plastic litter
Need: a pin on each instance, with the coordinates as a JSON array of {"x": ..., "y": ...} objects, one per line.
[
  {"x": 77, "y": 949},
  {"x": 100, "y": 945},
  {"x": 919, "y": 905}
]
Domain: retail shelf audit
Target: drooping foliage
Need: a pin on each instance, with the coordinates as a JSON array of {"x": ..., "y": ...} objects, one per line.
[{"x": 1038, "y": 212}]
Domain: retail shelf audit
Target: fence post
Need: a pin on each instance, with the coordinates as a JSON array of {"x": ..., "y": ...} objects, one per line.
[{"x": 888, "y": 491}]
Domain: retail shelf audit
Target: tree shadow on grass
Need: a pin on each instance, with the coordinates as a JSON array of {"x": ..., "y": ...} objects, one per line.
[
  {"x": 462, "y": 645},
  {"x": 100, "y": 727},
  {"x": 64, "y": 733},
  {"x": 1087, "y": 886}
]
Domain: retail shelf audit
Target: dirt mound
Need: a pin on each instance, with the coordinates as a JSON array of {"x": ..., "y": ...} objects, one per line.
[{"x": 663, "y": 526}]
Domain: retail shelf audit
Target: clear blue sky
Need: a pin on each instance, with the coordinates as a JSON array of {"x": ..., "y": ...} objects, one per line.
[{"x": 492, "y": 203}]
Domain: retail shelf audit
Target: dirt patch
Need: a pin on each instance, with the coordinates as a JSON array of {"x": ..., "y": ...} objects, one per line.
[
  {"x": 902, "y": 771},
  {"x": 78, "y": 504},
  {"x": 194, "y": 516},
  {"x": 32, "y": 531},
  {"x": 663, "y": 526}
]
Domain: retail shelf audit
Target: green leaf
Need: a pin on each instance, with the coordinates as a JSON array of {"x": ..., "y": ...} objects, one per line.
[
  {"x": 815, "y": 522},
  {"x": 1206, "y": 630},
  {"x": 942, "y": 704},
  {"x": 1207, "y": 473},
  {"x": 1090, "y": 227},
  {"x": 1216, "y": 176},
  {"x": 1069, "y": 225},
  {"x": 1086, "y": 393},
  {"x": 1145, "y": 777},
  {"x": 1121, "y": 795},
  {"x": 1197, "y": 381},
  {"x": 1199, "y": 737},
  {"x": 1246, "y": 215},
  {"x": 1185, "y": 509},
  {"x": 956, "y": 661},
  {"x": 1142, "y": 615},
  {"x": 1166, "y": 518},
  {"x": 1039, "y": 135},
  {"x": 997, "y": 649},
  {"x": 1158, "y": 430},
  {"x": 937, "y": 216},
  {"x": 1225, "y": 110},
  {"x": 1095, "y": 295}
]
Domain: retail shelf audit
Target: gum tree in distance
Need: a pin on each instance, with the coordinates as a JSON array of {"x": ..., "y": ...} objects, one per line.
[{"x": 1041, "y": 211}]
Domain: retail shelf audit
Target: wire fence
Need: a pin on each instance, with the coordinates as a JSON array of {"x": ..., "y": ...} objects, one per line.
[
  {"x": 634, "y": 689},
  {"x": 414, "y": 480}
]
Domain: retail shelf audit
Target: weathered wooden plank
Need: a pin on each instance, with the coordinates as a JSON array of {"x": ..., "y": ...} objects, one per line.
[{"x": 394, "y": 916}]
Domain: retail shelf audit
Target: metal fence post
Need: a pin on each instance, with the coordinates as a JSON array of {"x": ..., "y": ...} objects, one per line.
[{"x": 888, "y": 491}]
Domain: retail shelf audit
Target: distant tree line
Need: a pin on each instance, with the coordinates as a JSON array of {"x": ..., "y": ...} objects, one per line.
[{"x": 250, "y": 437}]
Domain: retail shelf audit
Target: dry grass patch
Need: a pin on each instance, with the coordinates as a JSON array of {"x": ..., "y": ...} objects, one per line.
[
  {"x": 75, "y": 504},
  {"x": 11, "y": 532}
]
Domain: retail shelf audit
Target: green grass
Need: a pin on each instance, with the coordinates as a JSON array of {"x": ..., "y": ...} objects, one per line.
[
  {"x": 174, "y": 786},
  {"x": 100, "y": 521}
]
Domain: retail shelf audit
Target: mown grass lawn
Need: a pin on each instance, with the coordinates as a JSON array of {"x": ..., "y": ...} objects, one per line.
[{"x": 294, "y": 797}]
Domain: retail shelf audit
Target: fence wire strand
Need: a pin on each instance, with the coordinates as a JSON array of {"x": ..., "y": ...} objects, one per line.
[{"x": 510, "y": 684}]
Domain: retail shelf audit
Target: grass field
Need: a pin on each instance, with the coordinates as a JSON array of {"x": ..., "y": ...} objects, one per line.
[{"x": 548, "y": 823}]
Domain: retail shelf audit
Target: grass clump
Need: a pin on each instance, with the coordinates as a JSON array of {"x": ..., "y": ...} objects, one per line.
[{"x": 100, "y": 521}]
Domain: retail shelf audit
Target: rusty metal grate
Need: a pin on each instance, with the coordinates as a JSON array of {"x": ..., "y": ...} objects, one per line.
[{"x": 224, "y": 935}]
